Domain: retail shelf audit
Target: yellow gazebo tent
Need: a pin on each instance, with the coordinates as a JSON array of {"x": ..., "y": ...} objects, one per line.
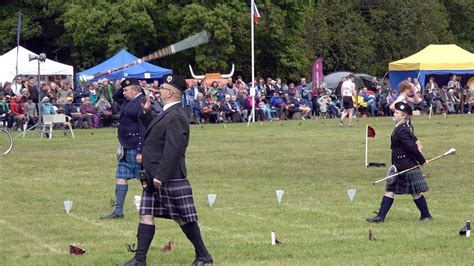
[{"x": 433, "y": 60}]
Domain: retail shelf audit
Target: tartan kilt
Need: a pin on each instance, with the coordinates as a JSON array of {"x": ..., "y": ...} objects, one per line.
[
  {"x": 128, "y": 167},
  {"x": 173, "y": 200},
  {"x": 409, "y": 183}
]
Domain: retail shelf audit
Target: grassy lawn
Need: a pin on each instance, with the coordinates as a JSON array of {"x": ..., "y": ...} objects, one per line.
[{"x": 315, "y": 162}]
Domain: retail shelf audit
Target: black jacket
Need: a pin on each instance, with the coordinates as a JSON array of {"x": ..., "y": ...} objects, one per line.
[
  {"x": 165, "y": 143},
  {"x": 405, "y": 153}
]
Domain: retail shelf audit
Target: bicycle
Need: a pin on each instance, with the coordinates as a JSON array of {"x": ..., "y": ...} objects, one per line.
[{"x": 6, "y": 141}]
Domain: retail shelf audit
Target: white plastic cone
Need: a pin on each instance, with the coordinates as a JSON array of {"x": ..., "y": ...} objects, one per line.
[
  {"x": 68, "y": 206},
  {"x": 279, "y": 194},
  {"x": 137, "y": 200},
  {"x": 351, "y": 192},
  {"x": 211, "y": 198}
]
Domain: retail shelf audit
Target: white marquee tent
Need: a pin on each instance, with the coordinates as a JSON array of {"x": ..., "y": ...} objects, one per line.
[{"x": 26, "y": 67}]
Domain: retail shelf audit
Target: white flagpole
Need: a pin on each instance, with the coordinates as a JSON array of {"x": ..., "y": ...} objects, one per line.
[
  {"x": 366, "y": 143},
  {"x": 252, "y": 92}
]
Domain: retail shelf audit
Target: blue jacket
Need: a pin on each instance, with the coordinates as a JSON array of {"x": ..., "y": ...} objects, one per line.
[{"x": 130, "y": 129}]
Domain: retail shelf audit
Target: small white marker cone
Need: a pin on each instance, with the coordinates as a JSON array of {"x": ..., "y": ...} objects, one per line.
[
  {"x": 273, "y": 238},
  {"x": 279, "y": 194},
  {"x": 225, "y": 125},
  {"x": 468, "y": 229},
  {"x": 211, "y": 198},
  {"x": 68, "y": 206},
  {"x": 137, "y": 200},
  {"x": 351, "y": 192}
]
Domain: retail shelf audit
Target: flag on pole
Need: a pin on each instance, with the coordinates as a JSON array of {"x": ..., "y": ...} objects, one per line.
[
  {"x": 256, "y": 14},
  {"x": 317, "y": 73},
  {"x": 18, "y": 30},
  {"x": 370, "y": 132}
]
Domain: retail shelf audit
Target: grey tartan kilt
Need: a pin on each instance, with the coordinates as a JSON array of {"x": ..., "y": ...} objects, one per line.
[
  {"x": 409, "y": 183},
  {"x": 173, "y": 200}
]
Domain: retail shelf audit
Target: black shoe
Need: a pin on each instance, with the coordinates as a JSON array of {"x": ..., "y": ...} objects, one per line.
[
  {"x": 199, "y": 261},
  {"x": 375, "y": 219},
  {"x": 133, "y": 262},
  {"x": 426, "y": 219},
  {"x": 111, "y": 216}
]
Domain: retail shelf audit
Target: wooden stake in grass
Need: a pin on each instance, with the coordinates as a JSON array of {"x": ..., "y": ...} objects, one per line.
[{"x": 372, "y": 235}]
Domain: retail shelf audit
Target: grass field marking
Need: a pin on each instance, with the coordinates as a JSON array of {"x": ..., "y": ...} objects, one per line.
[
  {"x": 107, "y": 226},
  {"x": 298, "y": 207},
  {"x": 223, "y": 232},
  {"x": 29, "y": 235}
]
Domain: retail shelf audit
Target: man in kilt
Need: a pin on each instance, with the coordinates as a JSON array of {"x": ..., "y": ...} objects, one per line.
[
  {"x": 405, "y": 155},
  {"x": 130, "y": 132},
  {"x": 167, "y": 192}
]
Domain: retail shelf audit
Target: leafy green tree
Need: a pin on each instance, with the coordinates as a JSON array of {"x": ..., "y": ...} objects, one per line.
[{"x": 98, "y": 29}]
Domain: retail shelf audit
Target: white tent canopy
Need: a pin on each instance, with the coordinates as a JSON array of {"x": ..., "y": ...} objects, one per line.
[{"x": 26, "y": 67}]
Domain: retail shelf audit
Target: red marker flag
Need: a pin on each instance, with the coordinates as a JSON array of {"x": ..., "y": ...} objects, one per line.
[{"x": 370, "y": 132}]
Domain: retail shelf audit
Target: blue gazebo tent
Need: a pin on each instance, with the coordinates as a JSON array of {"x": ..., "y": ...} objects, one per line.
[{"x": 143, "y": 70}]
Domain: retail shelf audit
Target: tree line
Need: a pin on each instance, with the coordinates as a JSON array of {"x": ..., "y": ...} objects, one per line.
[{"x": 351, "y": 35}]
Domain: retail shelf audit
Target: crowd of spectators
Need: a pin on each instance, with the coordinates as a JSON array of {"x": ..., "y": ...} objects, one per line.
[{"x": 91, "y": 105}]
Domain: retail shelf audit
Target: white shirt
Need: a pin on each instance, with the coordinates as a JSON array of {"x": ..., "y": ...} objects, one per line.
[
  {"x": 168, "y": 105},
  {"x": 348, "y": 88}
]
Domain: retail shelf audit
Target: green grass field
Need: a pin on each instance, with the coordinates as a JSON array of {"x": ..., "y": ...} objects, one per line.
[{"x": 315, "y": 162}]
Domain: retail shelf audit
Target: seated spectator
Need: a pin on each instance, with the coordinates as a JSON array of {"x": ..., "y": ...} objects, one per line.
[
  {"x": 46, "y": 107},
  {"x": 104, "y": 111},
  {"x": 71, "y": 110},
  {"x": 421, "y": 106},
  {"x": 264, "y": 107},
  {"x": 88, "y": 109},
  {"x": 17, "y": 108},
  {"x": 248, "y": 103},
  {"x": 25, "y": 93},
  {"x": 291, "y": 89},
  {"x": 333, "y": 110},
  {"x": 278, "y": 105},
  {"x": 93, "y": 93},
  {"x": 31, "y": 112},
  {"x": 360, "y": 106},
  {"x": 63, "y": 93},
  {"x": 323, "y": 103},
  {"x": 448, "y": 105},
  {"x": 303, "y": 106},
  {"x": 470, "y": 97},
  {"x": 369, "y": 98},
  {"x": 431, "y": 85},
  {"x": 201, "y": 110},
  {"x": 292, "y": 106},
  {"x": 217, "y": 114},
  {"x": 435, "y": 101},
  {"x": 229, "y": 88},
  {"x": 231, "y": 113},
  {"x": 236, "y": 106},
  {"x": 5, "y": 113},
  {"x": 213, "y": 90},
  {"x": 80, "y": 94},
  {"x": 454, "y": 99}
]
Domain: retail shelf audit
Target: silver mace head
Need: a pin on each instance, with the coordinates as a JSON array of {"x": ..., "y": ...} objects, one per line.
[{"x": 451, "y": 151}]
